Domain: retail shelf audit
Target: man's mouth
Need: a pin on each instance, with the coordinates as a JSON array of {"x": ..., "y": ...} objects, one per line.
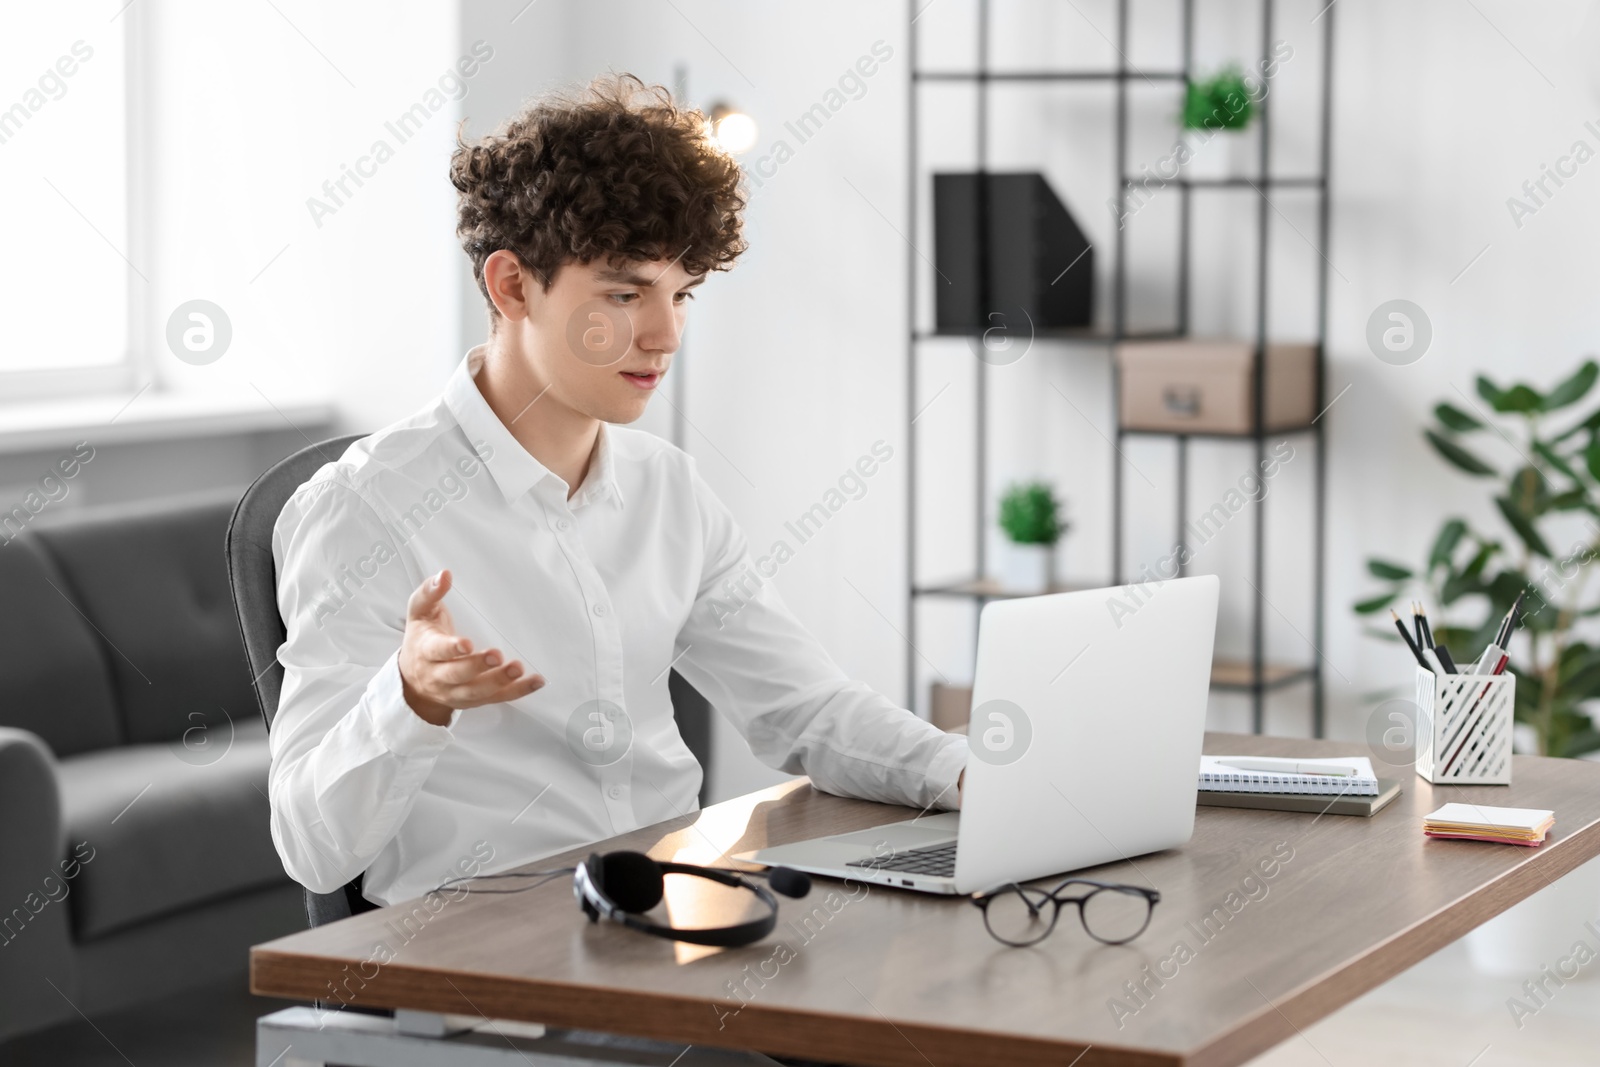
[{"x": 642, "y": 379}]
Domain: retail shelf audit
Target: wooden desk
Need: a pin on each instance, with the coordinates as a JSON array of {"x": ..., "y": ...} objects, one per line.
[{"x": 899, "y": 979}]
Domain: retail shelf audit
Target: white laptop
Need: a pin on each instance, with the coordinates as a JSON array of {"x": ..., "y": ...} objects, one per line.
[{"x": 1088, "y": 711}]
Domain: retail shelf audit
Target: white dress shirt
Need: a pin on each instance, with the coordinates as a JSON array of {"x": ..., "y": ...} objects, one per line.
[{"x": 603, "y": 594}]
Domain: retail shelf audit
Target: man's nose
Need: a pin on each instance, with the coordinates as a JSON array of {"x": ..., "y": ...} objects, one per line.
[{"x": 656, "y": 327}]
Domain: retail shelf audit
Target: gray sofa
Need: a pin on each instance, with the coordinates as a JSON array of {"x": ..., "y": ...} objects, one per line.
[{"x": 135, "y": 858}]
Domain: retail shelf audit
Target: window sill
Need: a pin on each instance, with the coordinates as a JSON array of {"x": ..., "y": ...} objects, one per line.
[{"x": 150, "y": 416}]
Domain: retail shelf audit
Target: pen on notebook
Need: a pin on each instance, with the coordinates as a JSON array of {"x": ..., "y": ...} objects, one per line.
[
  {"x": 1288, "y": 766},
  {"x": 1406, "y": 637}
]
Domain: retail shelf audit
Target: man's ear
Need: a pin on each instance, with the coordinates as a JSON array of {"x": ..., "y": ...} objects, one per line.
[{"x": 512, "y": 284}]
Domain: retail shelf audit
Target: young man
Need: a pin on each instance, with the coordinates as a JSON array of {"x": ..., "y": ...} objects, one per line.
[{"x": 484, "y": 601}]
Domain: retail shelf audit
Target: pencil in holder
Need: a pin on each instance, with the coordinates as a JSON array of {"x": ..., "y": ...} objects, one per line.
[{"x": 1464, "y": 727}]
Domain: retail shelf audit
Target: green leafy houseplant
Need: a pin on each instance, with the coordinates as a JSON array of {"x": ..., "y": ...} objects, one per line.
[
  {"x": 1550, "y": 476},
  {"x": 1222, "y": 102},
  {"x": 1031, "y": 515}
]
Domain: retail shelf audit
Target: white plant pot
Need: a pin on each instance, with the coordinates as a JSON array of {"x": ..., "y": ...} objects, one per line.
[
  {"x": 1215, "y": 154},
  {"x": 1028, "y": 569},
  {"x": 1543, "y": 929}
]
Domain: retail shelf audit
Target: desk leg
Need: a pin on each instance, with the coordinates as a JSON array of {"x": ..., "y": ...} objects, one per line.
[{"x": 306, "y": 1037}]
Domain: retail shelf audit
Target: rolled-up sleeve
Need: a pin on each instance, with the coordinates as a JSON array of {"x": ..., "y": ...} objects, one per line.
[
  {"x": 745, "y": 651},
  {"x": 348, "y": 754}
]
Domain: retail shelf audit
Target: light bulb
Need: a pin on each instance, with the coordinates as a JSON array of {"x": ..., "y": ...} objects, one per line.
[{"x": 734, "y": 131}]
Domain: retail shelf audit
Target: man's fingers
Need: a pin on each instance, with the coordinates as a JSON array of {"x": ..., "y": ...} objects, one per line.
[
  {"x": 489, "y": 687},
  {"x": 518, "y": 689},
  {"x": 464, "y": 670},
  {"x": 478, "y": 689},
  {"x": 426, "y": 596},
  {"x": 444, "y": 647}
]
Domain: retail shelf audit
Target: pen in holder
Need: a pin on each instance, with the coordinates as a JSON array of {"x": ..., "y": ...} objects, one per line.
[{"x": 1464, "y": 727}]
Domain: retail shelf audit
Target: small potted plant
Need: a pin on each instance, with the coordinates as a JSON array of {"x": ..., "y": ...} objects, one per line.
[
  {"x": 1216, "y": 111},
  {"x": 1030, "y": 516}
]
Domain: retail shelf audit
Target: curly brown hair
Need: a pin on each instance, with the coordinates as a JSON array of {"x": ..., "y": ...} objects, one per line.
[{"x": 615, "y": 171}]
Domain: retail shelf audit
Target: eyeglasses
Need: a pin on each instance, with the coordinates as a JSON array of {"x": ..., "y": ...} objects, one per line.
[{"x": 1112, "y": 914}]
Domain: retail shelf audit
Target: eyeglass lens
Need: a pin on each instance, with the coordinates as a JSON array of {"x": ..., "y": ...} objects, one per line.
[
  {"x": 1020, "y": 916},
  {"x": 1115, "y": 915}
]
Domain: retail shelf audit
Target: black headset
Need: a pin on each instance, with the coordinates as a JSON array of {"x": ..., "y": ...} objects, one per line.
[{"x": 620, "y": 885}]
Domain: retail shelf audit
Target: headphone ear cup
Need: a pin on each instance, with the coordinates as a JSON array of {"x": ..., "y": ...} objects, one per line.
[
  {"x": 789, "y": 882},
  {"x": 631, "y": 879}
]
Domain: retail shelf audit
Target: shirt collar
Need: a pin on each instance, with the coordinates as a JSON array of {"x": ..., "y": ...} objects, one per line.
[
  {"x": 601, "y": 481},
  {"x": 513, "y": 467}
]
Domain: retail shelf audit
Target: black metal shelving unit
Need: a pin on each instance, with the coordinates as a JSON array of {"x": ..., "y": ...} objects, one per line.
[{"x": 1255, "y": 677}]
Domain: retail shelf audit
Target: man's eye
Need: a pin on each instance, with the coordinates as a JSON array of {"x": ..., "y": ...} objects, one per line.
[
  {"x": 683, "y": 296},
  {"x": 624, "y": 298}
]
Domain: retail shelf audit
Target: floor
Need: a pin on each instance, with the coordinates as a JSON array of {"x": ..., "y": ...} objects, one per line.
[
  {"x": 1441, "y": 1013},
  {"x": 214, "y": 1027}
]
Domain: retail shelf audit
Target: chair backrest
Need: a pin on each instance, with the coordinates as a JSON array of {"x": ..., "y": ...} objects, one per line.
[
  {"x": 253, "y": 578},
  {"x": 252, "y": 573}
]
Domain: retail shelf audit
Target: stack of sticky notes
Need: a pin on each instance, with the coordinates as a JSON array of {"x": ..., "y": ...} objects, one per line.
[{"x": 1478, "y": 822}]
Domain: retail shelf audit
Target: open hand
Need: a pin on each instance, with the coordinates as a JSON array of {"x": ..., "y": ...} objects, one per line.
[{"x": 439, "y": 672}]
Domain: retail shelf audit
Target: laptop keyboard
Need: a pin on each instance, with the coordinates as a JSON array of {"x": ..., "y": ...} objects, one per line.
[{"x": 937, "y": 861}]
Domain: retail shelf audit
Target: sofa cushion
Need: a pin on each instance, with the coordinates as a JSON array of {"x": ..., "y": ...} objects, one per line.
[
  {"x": 54, "y": 681},
  {"x": 172, "y": 826},
  {"x": 153, "y": 578}
]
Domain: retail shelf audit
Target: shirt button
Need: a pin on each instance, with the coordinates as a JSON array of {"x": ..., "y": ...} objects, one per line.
[
  {"x": 600, "y": 610},
  {"x": 614, "y": 792},
  {"x": 563, "y": 524}
]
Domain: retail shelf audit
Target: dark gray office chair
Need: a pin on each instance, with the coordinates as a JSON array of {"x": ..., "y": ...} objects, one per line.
[{"x": 253, "y": 578}]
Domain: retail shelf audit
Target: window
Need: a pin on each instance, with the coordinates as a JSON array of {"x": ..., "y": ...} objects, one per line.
[{"x": 67, "y": 268}]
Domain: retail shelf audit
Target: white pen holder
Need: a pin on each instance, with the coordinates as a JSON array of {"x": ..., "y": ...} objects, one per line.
[{"x": 1464, "y": 727}]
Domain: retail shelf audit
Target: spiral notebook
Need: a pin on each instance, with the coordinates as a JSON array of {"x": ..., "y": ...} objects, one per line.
[
  {"x": 1388, "y": 789},
  {"x": 1217, "y": 778}
]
